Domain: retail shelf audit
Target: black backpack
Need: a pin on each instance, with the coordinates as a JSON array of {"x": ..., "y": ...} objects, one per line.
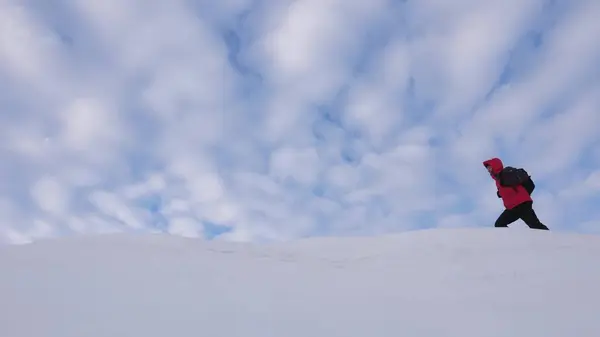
[{"x": 513, "y": 177}]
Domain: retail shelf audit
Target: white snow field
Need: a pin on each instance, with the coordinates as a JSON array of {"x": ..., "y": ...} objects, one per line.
[{"x": 459, "y": 282}]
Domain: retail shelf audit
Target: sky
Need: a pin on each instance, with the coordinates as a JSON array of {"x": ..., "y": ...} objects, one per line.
[{"x": 265, "y": 121}]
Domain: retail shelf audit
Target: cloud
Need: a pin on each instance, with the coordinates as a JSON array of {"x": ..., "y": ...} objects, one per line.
[
  {"x": 50, "y": 196},
  {"x": 262, "y": 121}
]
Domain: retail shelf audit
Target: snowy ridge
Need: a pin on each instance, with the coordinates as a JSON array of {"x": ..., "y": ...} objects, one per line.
[{"x": 468, "y": 283}]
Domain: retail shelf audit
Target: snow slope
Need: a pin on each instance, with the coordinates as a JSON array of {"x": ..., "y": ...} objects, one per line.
[{"x": 463, "y": 283}]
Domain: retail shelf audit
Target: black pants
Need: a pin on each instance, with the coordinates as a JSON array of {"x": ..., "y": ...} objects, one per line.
[{"x": 524, "y": 212}]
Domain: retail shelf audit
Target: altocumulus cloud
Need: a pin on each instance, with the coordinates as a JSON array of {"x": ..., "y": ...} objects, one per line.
[{"x": 274, "y": 120}]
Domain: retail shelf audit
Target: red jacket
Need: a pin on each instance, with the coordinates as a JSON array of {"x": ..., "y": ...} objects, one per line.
[{"x": 511, "y": 196}]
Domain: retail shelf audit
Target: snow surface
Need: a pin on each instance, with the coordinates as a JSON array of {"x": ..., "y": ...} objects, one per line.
[{"x": 463, "y": 283}]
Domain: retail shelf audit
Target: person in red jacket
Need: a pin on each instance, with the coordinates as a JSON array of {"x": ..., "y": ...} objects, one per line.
[{"x": 517, "y": 201}]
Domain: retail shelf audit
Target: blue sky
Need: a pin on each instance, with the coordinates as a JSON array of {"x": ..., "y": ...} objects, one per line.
[{"x": 266, "y": 121}]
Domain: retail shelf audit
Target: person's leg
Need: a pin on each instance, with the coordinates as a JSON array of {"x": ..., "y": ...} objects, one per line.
[
  {"x": 506, "y": 218},
  {"x": 527, "y": 214}
]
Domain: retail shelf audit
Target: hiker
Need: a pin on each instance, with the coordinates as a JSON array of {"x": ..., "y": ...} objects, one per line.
[{"x": 515, "y": 195}]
